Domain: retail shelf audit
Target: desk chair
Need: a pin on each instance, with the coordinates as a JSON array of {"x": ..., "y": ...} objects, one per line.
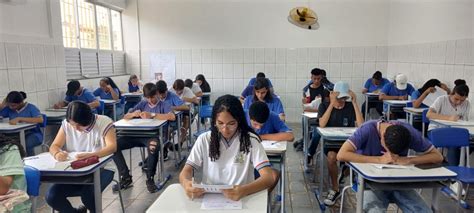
[
  {"x": 101, "y": 108},
  {"x": 456, "y": 138},
  {"x": 43, "y": 127},
  {"x": 32, "y": 176},
  {"x": 205, "y": 112},
  {"x": 424, "y": 122}
]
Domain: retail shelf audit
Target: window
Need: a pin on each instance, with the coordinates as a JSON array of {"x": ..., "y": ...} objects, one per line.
[{"x": 92, "y": 37}]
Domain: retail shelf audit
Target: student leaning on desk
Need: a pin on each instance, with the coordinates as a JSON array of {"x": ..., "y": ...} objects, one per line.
[
  {"x": 388, "y": 142},
  {"x": 228, "y": 154},
  {"x": 81, "y": 131}
]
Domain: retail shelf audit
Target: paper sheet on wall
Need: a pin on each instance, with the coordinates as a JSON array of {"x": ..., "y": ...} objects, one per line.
[
  {"x": 431, "y": 97},
  {"x": 163, "y": 67},
  {"x": 218, "y": 201}
]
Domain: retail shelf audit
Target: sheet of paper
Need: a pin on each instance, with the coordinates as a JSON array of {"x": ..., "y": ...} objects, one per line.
[
  {"x": 431, "y": 97},
  {"x": 271, "y": 144},
  {"x": 218, "y": 201},
  {"x": 46, "y": 162},
  {"x": 212, "y": 188},
  {"x": 389, "y": 166}
]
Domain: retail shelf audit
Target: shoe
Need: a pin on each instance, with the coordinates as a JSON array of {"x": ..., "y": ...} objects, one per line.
[
  {"x": 454, "y": 188},
  {"x": 299, "y": 148},
  {"x": 332, "y": 197},
  {"x": 151, "y": 186},
  {"x": 296, "y": 143},
  {"x": 81, "y": 209},
  {"x": 165, "y": 155},
  {"x": 309, "y": 159},
  {"x": 125, "y": 183}
]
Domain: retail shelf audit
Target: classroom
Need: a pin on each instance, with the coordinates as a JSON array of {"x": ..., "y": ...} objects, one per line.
[{"x": 335, "y": 106}]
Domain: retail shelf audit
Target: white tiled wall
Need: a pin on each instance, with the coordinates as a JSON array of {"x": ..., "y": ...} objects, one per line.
[
  {"x": 229, "y": 70},
  {"x": 444, "y": 60}
]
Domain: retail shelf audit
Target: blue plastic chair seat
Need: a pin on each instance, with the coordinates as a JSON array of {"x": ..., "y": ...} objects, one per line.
[
  {"x": 205, "y": 111},
  {"x": 465, "y": 174}
]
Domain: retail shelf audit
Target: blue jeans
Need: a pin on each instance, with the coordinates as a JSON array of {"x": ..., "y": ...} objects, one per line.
[
  {"x": 31, "y": 141},
  {"x": 314, "y": 142},
  {"x": 57, "y": 195},
  {"x": 406, "y": 200}
]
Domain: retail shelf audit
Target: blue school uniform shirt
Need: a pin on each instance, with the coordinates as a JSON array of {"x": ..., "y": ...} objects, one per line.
[
  {"x": 366, "y": 139},
  {"x": 173, "y": 99},
  {"x": 247, "y": 91},
  {"x": 253, "y": 80},
  {"x": 28, "y": 111},
  {"x": 132, "y": 88},
  {"x": 271, "y": 126},
  {"x": 415, "y": 95},
  {"x": 372, "y": 87},
  {"x": 391, "y": 90},
  {"x": 162, "y": 107},
  {"x": 105, "y": 95},
  {"x": 85, "y": 96},
  {"x": 274, "y": 105}
]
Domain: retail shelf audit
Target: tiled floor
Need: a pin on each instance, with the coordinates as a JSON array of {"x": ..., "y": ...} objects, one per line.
[{"x": 299, "y": 192}]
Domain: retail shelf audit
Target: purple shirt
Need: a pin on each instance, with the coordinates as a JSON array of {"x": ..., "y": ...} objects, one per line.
[
  {"x": 366, "y": 139},
  {"x": 162, "y": 107}
]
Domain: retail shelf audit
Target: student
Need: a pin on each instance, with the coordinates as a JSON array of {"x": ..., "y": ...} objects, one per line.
[
  {"x": 108, "y": 90},
  {"x": 452, "y": 107},
  {"x": 249, "y": 89},
  {"x": 194, "y": 87},
  {"x": 205, "y": 88},
  {"x": 228, "y": 154},
  {"x": 328, "y": 85},
  {"x": 267, "y": 124},
  {"x": 387, "y": 142},
  {"x": 400, "y": 89},
  {"x": 150, "y": 108},
  {"x": 261, "y": 92},
  {"x": 418, "y": 96},
  {"x": 134, "y": 84},
  {"x": 12, "y": 173},
  {"x": 336, "y": 113},
  {"x": 177, "y": 104},
  {"x": 92, "y": 135},
  {"x": 259, "y": 75},
  {"x": 374, "y": 85},
  {"x": 18, "y": 110},
  {"x": 76, "y": 92},
  {"x": 188, "y": 96},
  {"x": 458, "y": 82}
]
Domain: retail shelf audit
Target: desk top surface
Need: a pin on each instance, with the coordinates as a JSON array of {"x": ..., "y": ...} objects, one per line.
[
  {"x": 274, "y": 147},
  {"x": 54, "y": 114},
  {"x": 62, "y": 109},
  {"x": 108, "y": 101},
  {"x": 310, "y": 114},
  {"x": 129, "y": 94},
  {"x": 139, "y": 123},
  {"x": 396, "y": 102},
  {"x": 414, "y": 110},
  {"x": 409, "y": 173},
  {"x": 49, "y": 166},
  {"x": 340, "y": 132},
  {"x": 8, "y": 127},
  {"x": 453, "y": 123},
  {"x": 371, "y": 94},
  {"x": 174, "y": 199}
]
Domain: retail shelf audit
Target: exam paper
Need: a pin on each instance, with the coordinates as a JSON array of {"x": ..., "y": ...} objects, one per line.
[
  {"x": 389, "y": 166},
  {"x": 212, "y": 188},
  {"x": 431, "y": 97},
  {"x": 218, "y": 201}
]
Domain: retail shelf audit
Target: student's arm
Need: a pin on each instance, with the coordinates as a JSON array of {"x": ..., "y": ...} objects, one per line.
[
  {"x": 183, "y": 107},
  {"x": 56, "y": 147},
  {"x": 114, "y": 93},
  {"x": 324, "y": 119},
  {"x": 358, "y": 113},
  {"x": 131, "y": 115},
  {"x": 433, "y": 115},
  {"x": 168, "y": 116},
  {"x": 383, "y": 96},
  {"x": 35, "y": 120},
  {"x": 364, "y": 91},
  {"x": 60, "y": 104},
  {"x": 94, "y": 104},
  {"x": 281, "y": 136},
  {"x": 110, "y": 145},
  {"x": 185, "y": 179},
  {"x": 5, "y": 184},
  {"x": 445, "y": 88},
  {"x": 310, "y": 109},
  {"x": 347, "y": 153},
  {"x": 265, "y": 181},
  {"x": 431, "y": 156},
  {"x": 417, "y": 103},
  {"x": 198, "y": 94}
]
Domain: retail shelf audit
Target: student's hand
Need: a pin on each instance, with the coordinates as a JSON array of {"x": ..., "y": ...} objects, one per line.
[
  {"x": 84, "y": 155},
  {"x": 303, "y": 100},
  {"x": 333, "y": 97},
  {"x": 386, "y": 158},
  {"x": 61, "y": 156},
  {"x": 403, "y": 97},
  {"x": 109, "y": 88},
  {"x": 454, "y": 118},
  {"x": 192, "y": 192},
  {"x": 403, "y": 161},
  {"x": 353, "y": 96},
  {"x": 444, "y": 86},
  {"x": 136, "y": 113},
  {"x": 234, "y": 193},
  {"x": 56, "y": 106},
  {"x": 145, "y": 115},
  {"x": 15, "y": 121}
]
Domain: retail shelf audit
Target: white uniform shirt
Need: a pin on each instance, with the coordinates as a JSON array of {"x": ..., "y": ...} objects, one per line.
[
  {"x": 187, "y": 93},
  {"x": 443, "y": 106},
  {"x": 196, "y": 88},
  {"x": 92, "y": 139},
  {"x": 233, "y": 167}
]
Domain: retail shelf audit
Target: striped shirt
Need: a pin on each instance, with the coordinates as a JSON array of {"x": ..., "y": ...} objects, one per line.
[{"x": 92, "y": 139}]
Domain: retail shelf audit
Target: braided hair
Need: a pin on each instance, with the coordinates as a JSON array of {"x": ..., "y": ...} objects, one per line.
[
  {"x": 232, "y": 105},
  {"x": 7, "y": 142}
]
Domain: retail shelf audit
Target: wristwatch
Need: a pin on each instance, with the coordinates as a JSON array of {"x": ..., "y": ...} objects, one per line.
[{"x": 153, "y": 115}]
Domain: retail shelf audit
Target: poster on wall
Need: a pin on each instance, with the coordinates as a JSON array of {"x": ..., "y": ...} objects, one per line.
[{"x": 163, "y": 67}]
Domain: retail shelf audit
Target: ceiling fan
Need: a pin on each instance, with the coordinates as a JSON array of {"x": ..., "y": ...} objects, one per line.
[{"x": 304, "y": 17}]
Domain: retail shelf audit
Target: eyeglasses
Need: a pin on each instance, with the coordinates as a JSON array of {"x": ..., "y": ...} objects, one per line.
[{"x": 229, "y": 126}]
